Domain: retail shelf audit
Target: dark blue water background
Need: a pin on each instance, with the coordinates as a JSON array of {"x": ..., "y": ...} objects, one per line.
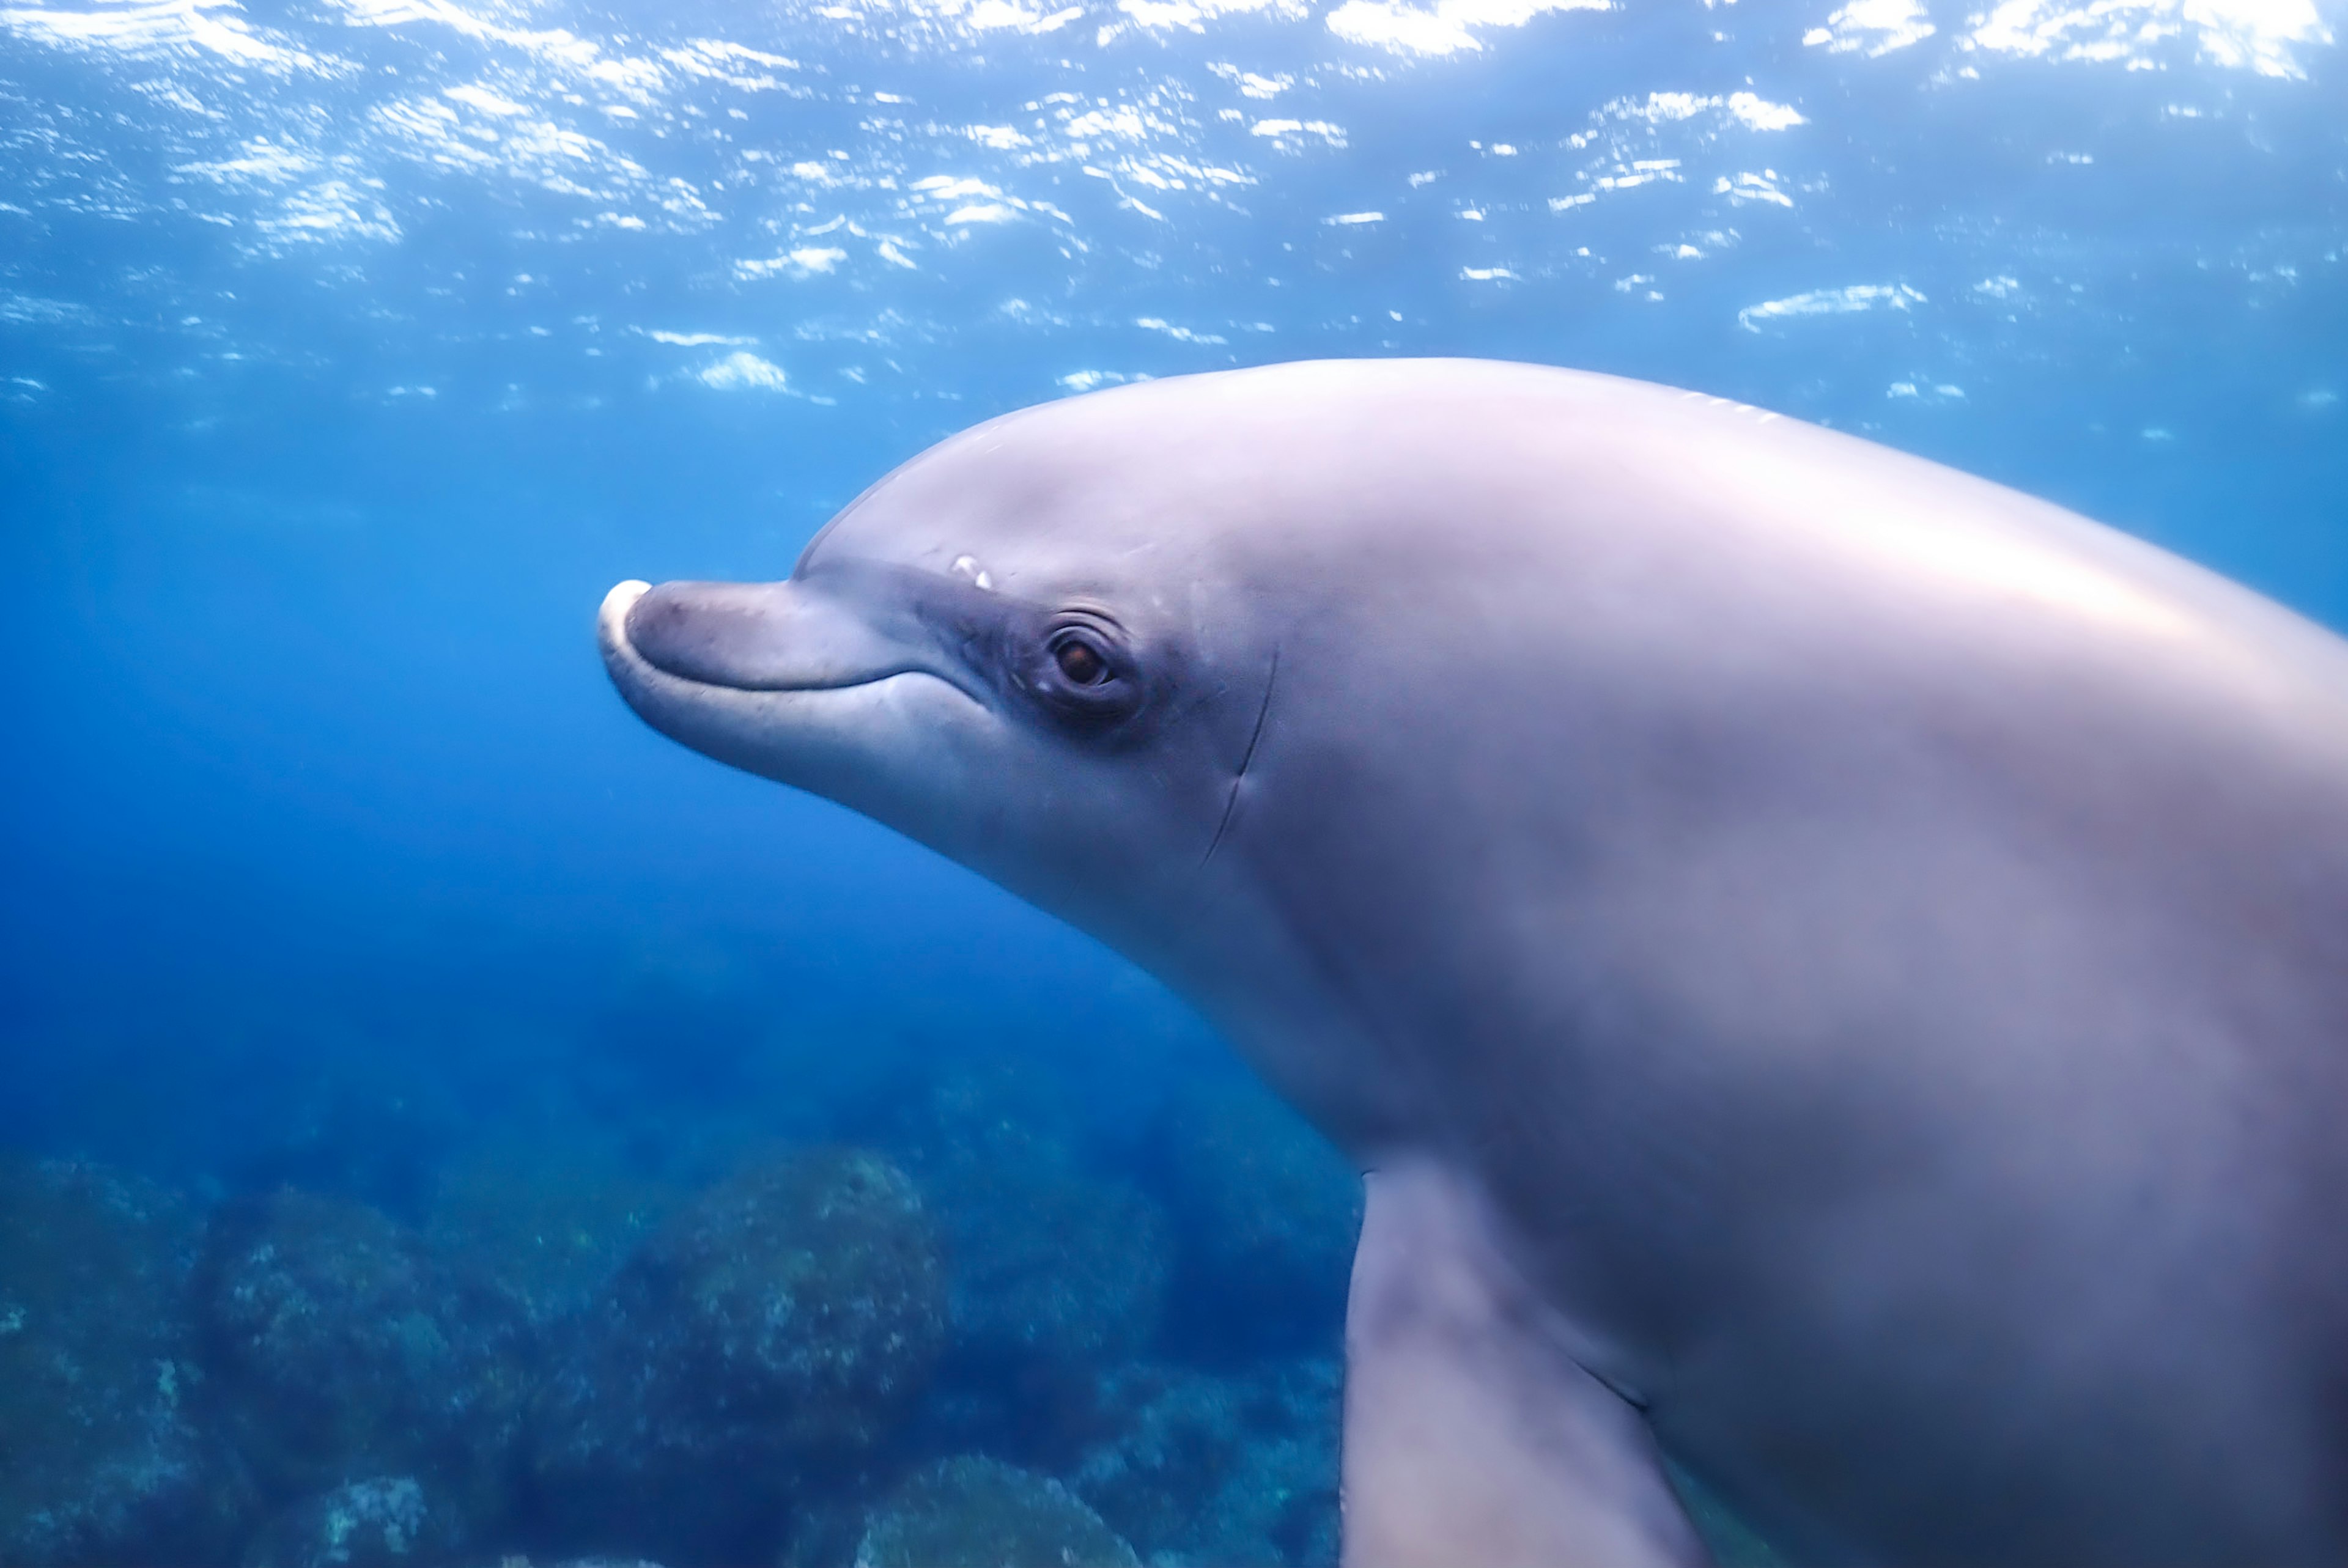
[{"x": 350, "y": 349}]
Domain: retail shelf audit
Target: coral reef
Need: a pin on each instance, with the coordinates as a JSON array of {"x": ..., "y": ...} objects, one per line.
[
  {"x": 101, "y": 1460},
  {"x": 1003, "y": 1340},
  {"x": 338, "y": 1349},
  {"x": 1050, "y": 1259},
  {"x": 774, "y": 1331},
  {"x": 547, "y": 1224},
  {"x": 1214, "y": 1469},
  {"x": 970, "y": 1511},
  {"x": 1048, "y": 1264},
  {"x": 1058, "y": 1269},
  {"x": 383, "y": 1522}
]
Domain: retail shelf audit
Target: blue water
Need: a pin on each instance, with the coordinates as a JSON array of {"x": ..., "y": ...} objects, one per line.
[{"x": 350, "y": 349}]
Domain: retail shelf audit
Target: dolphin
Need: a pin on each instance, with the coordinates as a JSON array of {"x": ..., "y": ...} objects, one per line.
[{"x": 1836, "y": 971}]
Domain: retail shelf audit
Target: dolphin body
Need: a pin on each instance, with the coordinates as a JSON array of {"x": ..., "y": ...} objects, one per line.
[{"x": 1837, "y": 971}]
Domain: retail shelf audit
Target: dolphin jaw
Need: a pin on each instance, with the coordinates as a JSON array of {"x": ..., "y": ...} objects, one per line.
[
  {"x": 840, "y": 740},
  {"x": 632, "y": 668}
]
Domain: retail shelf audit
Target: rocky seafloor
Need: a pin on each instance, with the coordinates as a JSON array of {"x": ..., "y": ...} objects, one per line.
[{"x": 949, "y": 1329}]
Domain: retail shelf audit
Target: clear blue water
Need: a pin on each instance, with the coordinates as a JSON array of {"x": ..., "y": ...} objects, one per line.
[{"x": 349, "y": 349}]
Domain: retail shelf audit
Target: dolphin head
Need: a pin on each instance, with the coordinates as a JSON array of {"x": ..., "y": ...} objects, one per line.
[
  {"x": 1189, "y": 663},
  {"x": 1208, "y": 667},
  {"x": 1003, "y": 651}
]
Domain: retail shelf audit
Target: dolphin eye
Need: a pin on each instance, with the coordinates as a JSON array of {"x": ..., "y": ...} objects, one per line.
[
  {"x": 1085, "y": 671},
  {"x": 1079, "y": 660}
]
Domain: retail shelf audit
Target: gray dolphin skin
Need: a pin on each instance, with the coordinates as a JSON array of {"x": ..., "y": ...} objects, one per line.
[{"x": 1837, "y": 971}]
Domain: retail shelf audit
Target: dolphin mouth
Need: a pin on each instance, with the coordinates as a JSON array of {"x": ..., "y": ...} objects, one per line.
[
  {"x": 712, "y": 639},
  {"x": 868, "y": 732},
  {"x": 758, "y": 637}
]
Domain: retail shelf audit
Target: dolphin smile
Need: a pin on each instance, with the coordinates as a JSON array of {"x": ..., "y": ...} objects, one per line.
[
  {"x": 757, "y": 636},
  {"x": 785, "y": 682}
]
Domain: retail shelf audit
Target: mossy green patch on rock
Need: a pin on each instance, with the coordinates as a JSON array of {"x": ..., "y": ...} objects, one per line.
[
  {"x": 760, "y": 1345},
  {"x": 1050, "y": 1261},
  {"x": 383, "y": 1522},
  {"x": 100, "y": 1461},
  {"x": 976, "y": 1512},
  {"x": 808, "y": 1289},
  {"x": 547, "y": 1224},
  {"x": 338, "y": 1349},
  {"x": 1220, "y": 1470}
]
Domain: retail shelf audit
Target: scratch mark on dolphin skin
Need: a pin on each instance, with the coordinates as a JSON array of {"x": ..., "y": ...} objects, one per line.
[{"x": 1232, "y": 804}]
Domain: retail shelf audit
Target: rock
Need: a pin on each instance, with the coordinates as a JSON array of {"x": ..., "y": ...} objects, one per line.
[
  {"x": 805, "y": 1294},
  {"x": 1049, "y": 1261},
  {"x": 511, "y": 1560},
  {"x": 985, "y": 1111},
  {"x": 1056, "y": 1269},
  {"x": 1266, "y": 1212},
  {"x": 101, "y": 1460},
  {"x": 976, "y": 1512},
  {"x": 1211, "y": 1469},
  {"x": 1051, "y": 1264},
  {"x": 338, "y": 1349},
  {"x": 380, "y": 1523},
  {"x": 773, "y": 1331},
  {"x": 547, "y": 1224}
]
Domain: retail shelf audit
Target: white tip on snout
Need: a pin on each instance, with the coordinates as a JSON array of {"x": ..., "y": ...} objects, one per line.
[{"x": 611, "y": 620}]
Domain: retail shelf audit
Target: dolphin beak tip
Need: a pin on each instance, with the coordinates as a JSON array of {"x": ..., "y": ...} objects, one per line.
[{"x": 611, "y": 620}]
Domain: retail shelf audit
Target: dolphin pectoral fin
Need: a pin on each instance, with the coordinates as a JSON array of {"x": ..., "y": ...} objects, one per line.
[{"x": 1470, "y": 1435}]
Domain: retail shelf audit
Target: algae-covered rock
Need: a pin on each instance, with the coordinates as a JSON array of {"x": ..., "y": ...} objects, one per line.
[
  {"x": 1211, "y": 1470},
  {"x": 515, "y": 1559},
  {"x": 985, "y": 1109},
  {"x": 1050, "y": 1261},
  {"x": 1266, "y": 1214},
  {"x": 383, "y": 1522},
  {"x": 805, "y": 1294},
  {"x": 977, "y": 1512},
  {"x": 101, "y": 1459},
  {"x": 773, "y": 1329},
  {"x": 338, "y": 1349},
  {"x": 549, "y": 1224}
]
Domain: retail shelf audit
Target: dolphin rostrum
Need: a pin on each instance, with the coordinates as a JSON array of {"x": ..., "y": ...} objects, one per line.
[{"x": 1837, "y": 971}]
